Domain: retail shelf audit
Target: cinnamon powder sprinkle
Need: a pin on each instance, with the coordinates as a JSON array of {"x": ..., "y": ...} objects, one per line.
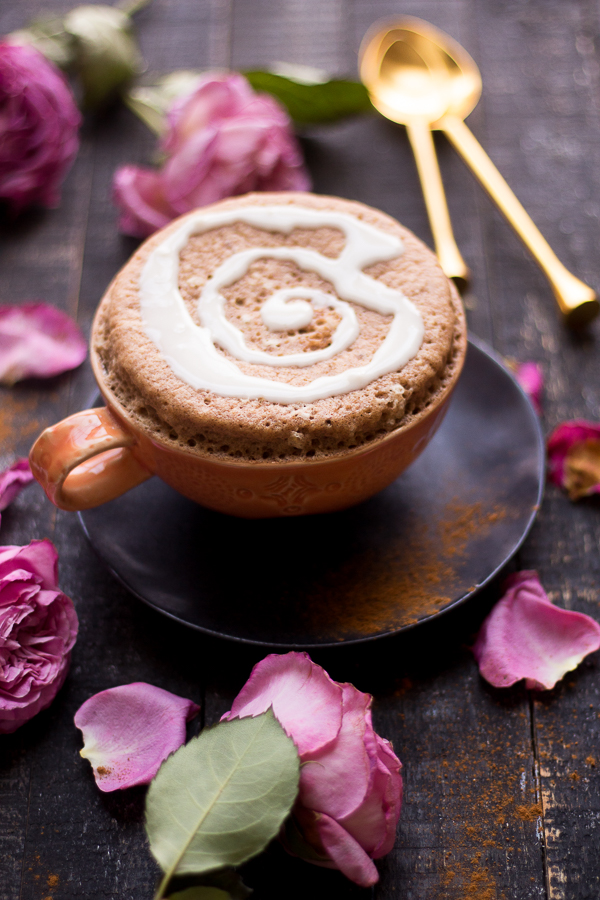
[{"x": 409, "y": 580}]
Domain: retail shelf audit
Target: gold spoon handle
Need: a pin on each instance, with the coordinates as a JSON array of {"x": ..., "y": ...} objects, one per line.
[
  {"x": 576, "y": 300},
  {"x": 451, "y": 261}
]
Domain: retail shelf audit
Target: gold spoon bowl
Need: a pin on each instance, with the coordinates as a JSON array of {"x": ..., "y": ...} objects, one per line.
[
  {"x": 406, "y": 85},
  {"x": 420, "y": 77}
]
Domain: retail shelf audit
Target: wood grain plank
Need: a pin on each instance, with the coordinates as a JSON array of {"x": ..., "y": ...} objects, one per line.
[
  {"x": 308, "y": 32},
  {"x": 58, "y": 834},
  {"x": 473, "y": 833},
  {"x": 542, "y": 130},
  {"x": 41, "y": 258}
]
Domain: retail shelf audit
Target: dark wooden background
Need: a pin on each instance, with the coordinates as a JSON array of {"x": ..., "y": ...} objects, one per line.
[{"x": 502, "y": 788}]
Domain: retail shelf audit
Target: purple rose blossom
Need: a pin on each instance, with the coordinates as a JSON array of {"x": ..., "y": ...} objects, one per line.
[
  {"x": 38, "y": 128},
  {"x": 38, "y": 341},
  {"x": 574, "y": 458},
  {"x": 38, "y": 628},
  {"x": 223, "y": 139},
  {"x": 129, "y": 730}
]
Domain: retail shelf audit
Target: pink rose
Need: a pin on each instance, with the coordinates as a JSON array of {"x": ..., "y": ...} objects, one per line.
[
  {"x": 350, "y": 784},
  {"x": 38, "y": 627},
  {"x": 223, "y": 139},
  {"x": 38, "y": 130}
]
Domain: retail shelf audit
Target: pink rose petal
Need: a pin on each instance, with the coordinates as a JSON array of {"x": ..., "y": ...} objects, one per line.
[
  {"x": 574, "y": 458},
  {"x": 38, "y": 341},
  {"x": 526, "y": 636},
  {"x": 335, "y": 779},
  {"x": 373, "y": 824},
  {"x": 530, "y": 377},
  {"x": 13, "y": 480},
  {"x": 128, "y": 731},
  {"x": 306, "y": 702},
  {"x": 139, "y": 194},
  {"x": 39, "y": 558},
  {"x": 345, "y": 852}
]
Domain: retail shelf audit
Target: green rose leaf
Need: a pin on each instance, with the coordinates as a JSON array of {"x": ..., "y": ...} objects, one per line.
[
  {"x": 220, "y": 799},
  {"x": 49, "y": 38},
  {"x": 200, "y": 892},
  {"x": 310, "y": 103},
  {"x": 228, "y": 881}
]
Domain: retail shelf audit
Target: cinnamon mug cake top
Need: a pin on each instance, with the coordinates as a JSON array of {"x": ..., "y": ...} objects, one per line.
[{"x": 276, "y": 326}]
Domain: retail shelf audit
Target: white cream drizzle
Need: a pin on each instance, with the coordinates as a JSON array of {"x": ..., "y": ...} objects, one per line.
[{"x": 190, "y": 349}]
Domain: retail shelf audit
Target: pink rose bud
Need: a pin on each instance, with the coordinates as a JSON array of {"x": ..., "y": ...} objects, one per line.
[
  {"x": 39, "y": 128},
  {"x": 574, "y": 458},
  {"x": 526, "y": 636},
  {"x": 223, "y": 140},
  {"x": 128, "y": 731},
  {"x": 38, "y": 341},
  {"x": 350, "y": 784},
  {"x": 38, "y": 627}
]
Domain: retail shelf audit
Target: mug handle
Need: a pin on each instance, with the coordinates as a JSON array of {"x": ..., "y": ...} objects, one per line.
[{"x": 86, "y": 460}]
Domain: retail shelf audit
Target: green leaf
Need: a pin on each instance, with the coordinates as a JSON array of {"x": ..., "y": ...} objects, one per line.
[
  {"x": 309, "y": 103},
  {"x": 220, "y": 799},
  {"x": 200, "y": 892},
  {"x": 227, "y": 880},
  {"x": 49, "y": 38}
]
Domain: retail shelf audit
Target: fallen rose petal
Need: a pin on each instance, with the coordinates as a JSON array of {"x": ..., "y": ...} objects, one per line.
[
  {"x": 530, "y": 377},
  {"x": 128, "y": 731},
  {"x": 13, "y": 480},
  {"x": 38, "y": 341},
  {"x": 574, "y": 458},
  {"x": 526, "y": 636},
  {"x": 306, "y": 702}
]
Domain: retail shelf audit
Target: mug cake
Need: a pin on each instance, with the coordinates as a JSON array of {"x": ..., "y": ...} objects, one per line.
[
  {"x": 276, "y": 327},
  {"x": 271, "y": 355}
]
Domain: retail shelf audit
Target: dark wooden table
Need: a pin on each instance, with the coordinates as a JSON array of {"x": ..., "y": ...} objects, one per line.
[{"x": 502, "y": 788}]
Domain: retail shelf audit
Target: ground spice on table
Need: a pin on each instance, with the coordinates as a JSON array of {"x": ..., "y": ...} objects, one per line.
[
  {"x": 484, "y": 795},
  {"x": 410, "y": 581}
]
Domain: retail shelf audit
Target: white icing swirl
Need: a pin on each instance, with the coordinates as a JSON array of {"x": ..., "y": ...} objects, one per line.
[{"x": 190, "y": 349}]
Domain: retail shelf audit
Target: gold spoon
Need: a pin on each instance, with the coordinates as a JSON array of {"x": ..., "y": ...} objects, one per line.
[
  {"x": 454, "y": 87},
  {"x": 407, "y": 87}
]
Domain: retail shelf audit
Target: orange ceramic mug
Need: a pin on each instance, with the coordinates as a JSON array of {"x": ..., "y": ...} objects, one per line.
[{"x": 96, "y": 455}]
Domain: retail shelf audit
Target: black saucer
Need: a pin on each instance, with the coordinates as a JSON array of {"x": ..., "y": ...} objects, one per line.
[{"x": 422, "y": 545}]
